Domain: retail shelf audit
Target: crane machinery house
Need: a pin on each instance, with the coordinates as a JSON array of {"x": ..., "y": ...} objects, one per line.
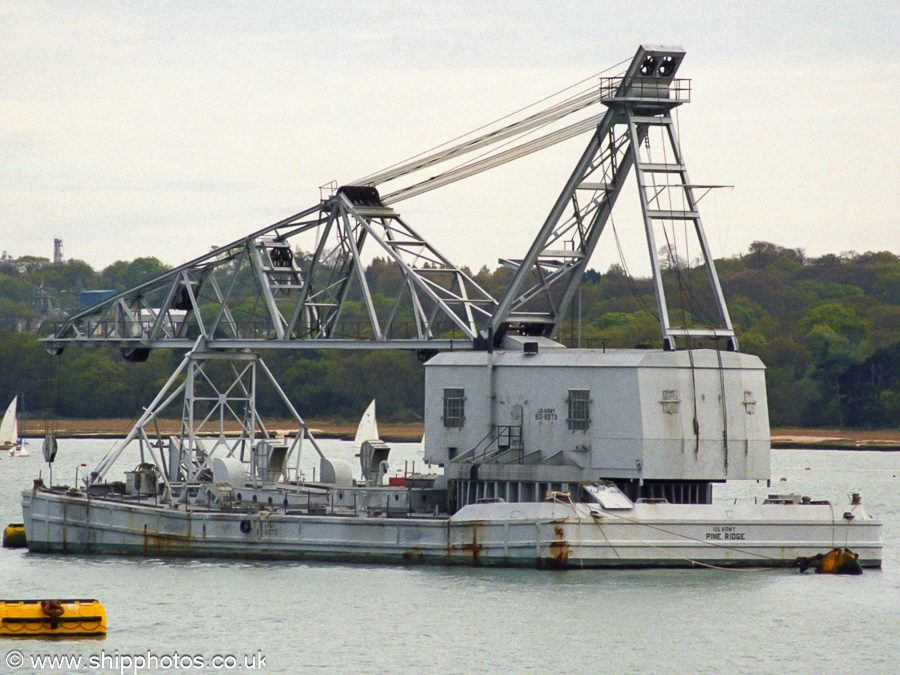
[{"x": 534, "y": 418}]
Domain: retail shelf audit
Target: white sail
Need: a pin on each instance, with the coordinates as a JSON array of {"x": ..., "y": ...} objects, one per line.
[
  {"x": 9, "y": 427},
  {"x": 368, "y": 426}
]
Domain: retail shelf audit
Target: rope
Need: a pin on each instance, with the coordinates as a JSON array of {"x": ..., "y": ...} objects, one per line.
[
  {"x": 508, "y": 134},
  {"x": 696, "y": 421},
  {"x": 691, "y": 308},
  {"x": 834, "y": 529},
  {"x": 430, "y": 156},
  {"x": 603, "y": 532},
  {"x": 599, "y": 524},
  {"x": 628, "y": 275},
  {"x": 833, "y": 524},
  {"x": 536, "y": 120},
  {"x": 51, "y": 422},
  {"x": 494, "y": 160},
  {"x": 724, "y": 405},
  {"x": 709, "y": 565},
  {"x": 690, "y": 538}
]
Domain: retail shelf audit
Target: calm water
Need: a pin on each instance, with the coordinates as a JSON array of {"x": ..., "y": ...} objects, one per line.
[{"x": 367, "y": 619}]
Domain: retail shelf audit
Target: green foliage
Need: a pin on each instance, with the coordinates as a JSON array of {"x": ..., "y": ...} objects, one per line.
[
  {"x": 837, "y": 291},
  {"x": 611, "y": 319},
  {"x": 616, "y": 329},
  {"x": 25, "y": 367},
  {"x": 339, "y": 383},
  {"x": 835, "y": 318},
  {"x": 69, "y": 276},
  {"x": 122, "y": 275},
  {"x": 828, "y": 329},
  {"x": 870, "y": 390},
  {"x": 13, "y": 312},
  {"x": 14, "y": 289},
  {"x": 30, "y": 264},
  {"x": 764, "y": 254}
]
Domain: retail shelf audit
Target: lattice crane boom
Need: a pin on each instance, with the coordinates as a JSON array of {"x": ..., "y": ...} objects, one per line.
[{"x": 261, "y": 292}]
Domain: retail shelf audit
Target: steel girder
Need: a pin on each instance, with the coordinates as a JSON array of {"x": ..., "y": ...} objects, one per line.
[
  {"x": 546, "y": 279},
  {"x": 217, "y": 392},
  {"x": 297, "y": 300},
  {"x": 263, "y": 291}
]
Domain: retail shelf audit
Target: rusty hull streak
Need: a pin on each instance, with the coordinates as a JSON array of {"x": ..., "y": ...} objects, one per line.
[
  {"x": 473, "y": 548},
  {"x": 414, "y": 556},
  {"x": 559, "y": 550},
  {"x": 160, "y": 543}
]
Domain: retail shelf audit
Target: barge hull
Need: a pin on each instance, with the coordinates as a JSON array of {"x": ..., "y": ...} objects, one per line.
[{"x": 540, "y": 534}]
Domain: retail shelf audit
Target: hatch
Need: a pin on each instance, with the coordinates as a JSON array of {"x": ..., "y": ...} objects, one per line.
[{"x": 608, "y": 496}]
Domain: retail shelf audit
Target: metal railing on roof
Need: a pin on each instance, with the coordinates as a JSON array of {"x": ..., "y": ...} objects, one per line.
[{"x": 646, "y": 89}]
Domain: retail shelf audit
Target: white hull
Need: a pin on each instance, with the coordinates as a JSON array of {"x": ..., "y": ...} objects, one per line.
[
  {"x": 507, "y": 534},
  {"x": 18, "y": 450}
]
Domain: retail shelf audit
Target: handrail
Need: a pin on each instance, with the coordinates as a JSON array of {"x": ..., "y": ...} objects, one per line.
[
  {"x": 650, "y": 89},
  {"x": 511, "y": 434}
]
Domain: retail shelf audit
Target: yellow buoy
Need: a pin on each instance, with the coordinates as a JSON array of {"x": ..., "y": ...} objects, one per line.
[
  {"x": 51, "y": 617},
  {"x": 836, "y": 561},
  {"x": 14, "y": 536}
]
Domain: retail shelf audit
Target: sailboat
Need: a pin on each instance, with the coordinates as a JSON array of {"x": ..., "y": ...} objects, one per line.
[
  {"x": 9, "y": 432},
  {"x": 372, "y": 451},
  {"x": 368, "y": 427}
]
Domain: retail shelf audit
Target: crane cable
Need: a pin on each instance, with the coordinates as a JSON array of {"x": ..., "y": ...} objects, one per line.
[
  {"x": 423, "y": 158},
  {"x": 510, "y": 133}
]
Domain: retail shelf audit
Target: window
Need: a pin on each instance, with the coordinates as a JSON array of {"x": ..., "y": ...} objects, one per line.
[
  {"x": 579, "y": 409},
  {"x": 454, "y": 407}
]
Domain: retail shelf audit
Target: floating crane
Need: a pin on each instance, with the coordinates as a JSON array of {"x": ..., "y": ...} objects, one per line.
[
  {"x": 202, "y": 306},
  {"x": 551, "y": 456}
]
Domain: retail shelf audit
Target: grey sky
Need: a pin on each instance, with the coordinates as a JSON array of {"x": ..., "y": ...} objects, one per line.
[{"x": 163, "y": 128}]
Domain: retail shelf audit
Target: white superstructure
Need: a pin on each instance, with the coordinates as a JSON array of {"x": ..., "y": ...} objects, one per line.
[{"x": 545, "y": 414}]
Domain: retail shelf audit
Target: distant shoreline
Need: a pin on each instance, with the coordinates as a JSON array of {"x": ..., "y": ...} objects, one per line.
[
  {"x": 837, "y": 439},
  {"x": 117, "y": 428}
]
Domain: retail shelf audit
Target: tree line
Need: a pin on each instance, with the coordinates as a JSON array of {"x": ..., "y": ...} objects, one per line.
[{"x": 827, "y": 328}]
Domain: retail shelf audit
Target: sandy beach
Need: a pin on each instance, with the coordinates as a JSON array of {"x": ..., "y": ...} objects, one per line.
[
  {"x": 116, "y": 428},
  {"x": 839, "y": 439}
]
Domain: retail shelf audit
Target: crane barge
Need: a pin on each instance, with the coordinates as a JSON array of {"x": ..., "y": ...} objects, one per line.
[{"x": 551, "y": 456}]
